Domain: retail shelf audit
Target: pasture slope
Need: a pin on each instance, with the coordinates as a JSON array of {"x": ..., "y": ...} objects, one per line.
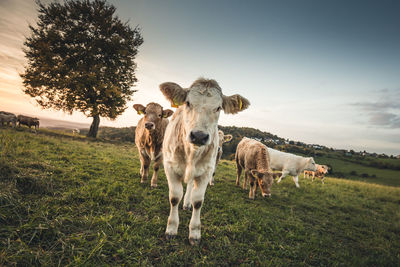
[{"x": 69, "y": 202}]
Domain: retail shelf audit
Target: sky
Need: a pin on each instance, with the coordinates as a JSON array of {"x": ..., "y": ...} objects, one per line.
[{"x": 320, "y": 72}]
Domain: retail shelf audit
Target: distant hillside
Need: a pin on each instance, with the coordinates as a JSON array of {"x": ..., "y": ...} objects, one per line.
[
  {"x": 61, "y": 124},
  {"x": 353, "y": 165},
  {"x": 343, "y": 163}
]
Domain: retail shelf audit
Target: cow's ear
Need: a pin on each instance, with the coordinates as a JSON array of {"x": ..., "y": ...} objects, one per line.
[
  {"x": 166, "y": 113},
  {"x": 174, "y": 93},
  {"x": 254, "y": 172},
  {"x": 227, "y": 138},
  {"x": 139, "y": 108},
  {"x": 234, "y": 104}
]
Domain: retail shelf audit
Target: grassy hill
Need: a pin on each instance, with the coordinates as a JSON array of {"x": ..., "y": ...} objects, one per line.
[
  {"x": 71, "y": 201},
  {"x": 344, "y": 164}
]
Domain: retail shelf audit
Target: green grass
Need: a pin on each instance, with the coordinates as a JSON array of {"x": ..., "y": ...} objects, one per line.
[
  {"x": 381, "y": 176},
  {"x": 70, "y": 202}
]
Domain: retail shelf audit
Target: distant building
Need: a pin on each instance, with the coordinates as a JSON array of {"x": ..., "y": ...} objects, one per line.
[{"x": 317, "y": 146}]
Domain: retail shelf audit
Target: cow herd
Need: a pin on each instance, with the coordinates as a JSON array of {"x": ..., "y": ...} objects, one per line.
[
  {"x": 7, "y": 118},
  {"x": 190, "y": 147}
]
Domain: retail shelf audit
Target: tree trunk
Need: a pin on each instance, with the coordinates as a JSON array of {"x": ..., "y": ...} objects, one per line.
[{"x": 94, "y": 128}]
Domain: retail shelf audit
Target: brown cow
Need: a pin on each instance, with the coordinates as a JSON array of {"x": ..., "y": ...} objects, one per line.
[
  {"x": 308, "y": 174},
  {"x": 319, "y": 173},
  {"x": 149, "y": 137},
  {"x": 190, "y": 146},
  {"x": 7, "y": 118},
  {"x": 223, "y": 138},
  {"x": 28, "y": 121},
  {"x": 253, "y": 157}
]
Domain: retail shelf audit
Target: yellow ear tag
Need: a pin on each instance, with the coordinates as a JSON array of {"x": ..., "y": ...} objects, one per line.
[
  {"x": 140, "y": 112},
  {"x": 240, "y": 104},
  {"x": 175, "y": 104}
]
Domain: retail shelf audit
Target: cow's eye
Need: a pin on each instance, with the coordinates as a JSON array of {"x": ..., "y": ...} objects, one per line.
[
  {"x": 188, "y": 104},
  {"x": 144, "y": 112},
  {"x": 218, "y": 109},
  {"x": 160, "y": 115}
]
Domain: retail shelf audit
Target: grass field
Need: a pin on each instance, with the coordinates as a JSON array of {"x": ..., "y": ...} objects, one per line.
[
  {"x": 71, "y": 202},
  {"x": 377, "y": 176}
]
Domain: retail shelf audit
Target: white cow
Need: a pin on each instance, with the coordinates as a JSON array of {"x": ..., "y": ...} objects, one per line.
[
  {"x": 190, "y": 146},
  {"x": 290, "y": 164}
]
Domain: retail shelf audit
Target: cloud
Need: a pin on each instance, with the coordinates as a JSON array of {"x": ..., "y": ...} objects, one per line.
[{"x": 384, "y": 111}]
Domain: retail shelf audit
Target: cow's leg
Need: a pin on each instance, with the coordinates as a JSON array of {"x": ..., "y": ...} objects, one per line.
[
  {"x": 156, "y": 167},
  {"x": 322, "y": 179},
  {"x": 144, "y": 167},
  {"x": 187, "y": 205},
  {"x": 253, "y": 187},
  {"x": 198, "y": 191},
  {"x": 284, "y": 173},
  {"x": 212, "y": 177},
  {"x": 312, "y": 177},
  {"x": 175, "y": 196},
  {"x": 246, "y": 178},
  {"x": 238, "y": 173},
  {"x": 296, "y": 180}
]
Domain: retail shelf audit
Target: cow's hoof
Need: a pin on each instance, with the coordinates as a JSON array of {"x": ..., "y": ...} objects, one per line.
[
  {"x": 211, "y": 183},
  {"x": 153, "y": 185},
  {"x": 187, "y": 207},
  {"x": 194, "y": 241},
  {"x": 169, "y": 236}
]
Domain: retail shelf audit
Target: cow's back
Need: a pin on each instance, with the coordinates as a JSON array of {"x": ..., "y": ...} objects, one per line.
[
  {"x": 248, "y": 151},
  {"x": 278, "y": 159}
]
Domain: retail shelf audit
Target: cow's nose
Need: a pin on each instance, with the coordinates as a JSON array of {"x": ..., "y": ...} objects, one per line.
[
  {"x": 266, "y": 195},
  {"x": 149, "y": 125},
  {"x": 198, "y": 137}
]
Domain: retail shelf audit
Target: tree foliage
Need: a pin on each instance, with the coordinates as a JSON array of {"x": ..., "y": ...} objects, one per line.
[{"x": 81, "y": 58}]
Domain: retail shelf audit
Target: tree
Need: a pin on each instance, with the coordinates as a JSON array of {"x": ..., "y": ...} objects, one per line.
[{"x": 81, "y": 58}]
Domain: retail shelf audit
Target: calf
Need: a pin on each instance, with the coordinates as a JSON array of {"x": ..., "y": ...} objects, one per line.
[
  {"x": 191, "y": 146},
  {"x": 149, "y": 136},
  {"x": 222, "y": 139},
  {"x": 290, "y": 164},
  {"x": 252, "y": 156},
  {"x": 28, "y": 121},
  {"x": 309, "y": 174},
  {"x": 320, "y": 172}
]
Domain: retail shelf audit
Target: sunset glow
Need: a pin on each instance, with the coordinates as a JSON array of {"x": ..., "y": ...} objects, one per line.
[{"x": 329, "y": 76}]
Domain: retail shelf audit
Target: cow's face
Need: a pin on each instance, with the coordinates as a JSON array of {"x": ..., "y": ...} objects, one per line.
[
  {"x": 201, "y": 106},
  {"x": 153, "y": 114},
  {"x": 310, "y": 165},
  {"x": 322, "y": 168},
  {"x": 265, "y": 180},
  {"x": 201, "y": 113}
]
